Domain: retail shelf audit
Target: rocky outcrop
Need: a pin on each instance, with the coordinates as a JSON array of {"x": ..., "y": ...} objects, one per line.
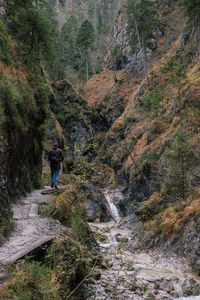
[
  {"x": 131, "y": 59},
  {"x": 95, "y": 204},
  {"x": 81, "y": 138},
  {"x": 75, "y": 117}
]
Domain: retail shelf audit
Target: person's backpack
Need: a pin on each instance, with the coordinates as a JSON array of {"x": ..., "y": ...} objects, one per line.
[{"x": 55, "y": 159}]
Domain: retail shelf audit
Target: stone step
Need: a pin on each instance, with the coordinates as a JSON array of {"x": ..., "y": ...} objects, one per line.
[{"x": 33, "y": 213}]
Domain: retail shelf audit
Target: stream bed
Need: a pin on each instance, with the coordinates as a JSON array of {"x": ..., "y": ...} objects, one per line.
[{"x": 137, "y": 275}]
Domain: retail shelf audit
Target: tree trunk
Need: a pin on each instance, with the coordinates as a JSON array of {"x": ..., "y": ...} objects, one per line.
[
  {"x": 115, "y": 75},
  {"x": 179, "y": 95},
  {"x": 87, "y": 71},
  {"x": 182, "y": 178},
  {"x": 141, "y": 48}
]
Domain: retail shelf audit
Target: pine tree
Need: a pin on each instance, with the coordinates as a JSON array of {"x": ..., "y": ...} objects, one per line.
[
  {"x": 4, "y": 43},
  {"x": 84, "y": 42},
  {"x": 68, "y": 42},
  {"x": 181, "y": 158},
  {"x": 141, "y": 17},
  {"x": 99, "y": 26},
  {"x": 116, "y": 56},
  {"x": 34, "y": 31},
  {"x": 191, "y": 9},
  {"x": 13, "y": 6},
  {"x": 177, "y": 74},
  {"x": 91, "y": 8}
]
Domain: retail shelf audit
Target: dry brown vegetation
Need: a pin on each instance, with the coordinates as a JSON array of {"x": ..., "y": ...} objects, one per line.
[{"x": 155, "y": 130}]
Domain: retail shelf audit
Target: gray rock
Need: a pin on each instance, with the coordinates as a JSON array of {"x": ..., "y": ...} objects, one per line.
[
  {"x": 191, "y": 287},
  {"x": 122, "y": 239},
  {"x": 174, "y": 294},
  {"x": 166, "y": 286}
]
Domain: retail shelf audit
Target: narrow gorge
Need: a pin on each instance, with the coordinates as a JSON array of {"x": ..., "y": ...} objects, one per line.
[{"x": 116, "y": 85}]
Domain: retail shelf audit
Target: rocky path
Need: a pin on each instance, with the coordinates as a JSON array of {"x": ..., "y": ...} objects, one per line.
[
  {"x": 30, "y": 229},
  {"x": 138, "y": 276}
]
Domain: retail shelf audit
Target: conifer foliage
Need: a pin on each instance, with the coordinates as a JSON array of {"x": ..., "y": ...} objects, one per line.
[
  {"x": 84, "y": 42},
  {"x": 191, "y": 9},
  {"x": 32, "y": 28},
  {"x": 141, "y": 22},
  {"x": 181, "y": 158}
]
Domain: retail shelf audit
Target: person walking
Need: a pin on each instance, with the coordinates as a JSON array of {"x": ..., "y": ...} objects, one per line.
[{"x": 55, "y": 157}]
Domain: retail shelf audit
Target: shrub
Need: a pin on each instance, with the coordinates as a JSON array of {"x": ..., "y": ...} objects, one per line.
[
  {"x": 168, "y": 66},
  {"x": 150, "y": 155},
  {"x": 154, "y": 129},
  {"x": 180, "y": 158},
  {"x": 152, "y": 101},
  {"x": 31, "y": 281},
  {"x": 153, "y": 206},
  {"x": 4, "y": 43}
]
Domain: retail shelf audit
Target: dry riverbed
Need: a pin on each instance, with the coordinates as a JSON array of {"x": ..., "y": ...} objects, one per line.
[{"x": 139, "y": 276}]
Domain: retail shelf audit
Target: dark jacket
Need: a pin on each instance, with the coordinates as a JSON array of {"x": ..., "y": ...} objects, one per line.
[{"x": 55, "y": 157}]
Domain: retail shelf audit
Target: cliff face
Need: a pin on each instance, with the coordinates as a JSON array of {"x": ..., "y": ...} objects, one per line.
[
  {"x": 162, "y": 34},
  {"x": 23, "y": 110},
  {"x": 21, "y": 135}
]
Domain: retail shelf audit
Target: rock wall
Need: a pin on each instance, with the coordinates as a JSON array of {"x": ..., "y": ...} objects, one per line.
[
  {"x": 75, "y": 117},
  {"x": 131, "y": 60},
  {"x": 23, "y": 111}
]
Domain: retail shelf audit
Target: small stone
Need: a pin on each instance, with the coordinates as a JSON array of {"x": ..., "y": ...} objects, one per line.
[
  {"x": 104, "y": 266},
  {"x": 122, "y": 239},
  {"x": 90, "y": 281},
  {"x": 191, "y": 287},
  {"x": 97, "y": 275},
  {"x": 166, "y": 286},
  {"x": 108, "y": 289},
  {"x": 174, "y": 294},
  {"x": 133, "y": 287},
  {"x": 104, "y": 284}
]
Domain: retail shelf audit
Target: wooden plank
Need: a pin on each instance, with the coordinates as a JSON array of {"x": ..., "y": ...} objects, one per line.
[{"x": 27, "y": 250}]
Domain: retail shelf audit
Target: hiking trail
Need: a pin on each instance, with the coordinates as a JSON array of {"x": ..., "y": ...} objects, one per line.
[{"x": 31, "y": 230}]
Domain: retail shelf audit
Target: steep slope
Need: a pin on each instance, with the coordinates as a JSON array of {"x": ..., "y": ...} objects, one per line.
[
  {"x": 129, "y": 54},
  {"x": 152, "y": 136}
]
